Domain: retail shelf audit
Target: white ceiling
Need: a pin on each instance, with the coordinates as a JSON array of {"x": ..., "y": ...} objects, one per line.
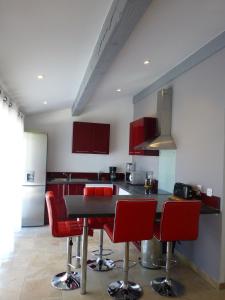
[
  {"x": 168, "y": 33},
  {"x": 56, "y": 38},
  {"x": 50, "y": 37}
]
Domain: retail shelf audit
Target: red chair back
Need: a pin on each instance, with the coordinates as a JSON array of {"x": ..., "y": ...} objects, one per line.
[
  {"x": 134, "y": 220},
  {"x": 58, "y": 227},
  {"x": 52, "y": 212},
  {"x": 98, "y": 191},
  {"x": 180, "y": 220},
  {"x": 98, "y": 223}
]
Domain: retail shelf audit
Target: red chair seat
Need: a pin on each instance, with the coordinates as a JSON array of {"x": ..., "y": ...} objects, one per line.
[{"x": 67, "y": 228}]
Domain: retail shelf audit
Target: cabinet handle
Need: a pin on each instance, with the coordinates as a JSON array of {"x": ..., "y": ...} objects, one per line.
[
  {"x": 81, "y": 151},
  {"x": 102, "y": 152}
]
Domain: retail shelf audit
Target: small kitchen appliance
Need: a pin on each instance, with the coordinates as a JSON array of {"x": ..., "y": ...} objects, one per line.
[
  {"x": 182, "y": 190},
  {"x": 137, "y": 177},
  {"x": 130, "y": 167},
  {"x": 112, "y": 173}
]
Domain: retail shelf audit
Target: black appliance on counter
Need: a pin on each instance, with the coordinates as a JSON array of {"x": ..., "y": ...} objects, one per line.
[
  {"x": 130, "y": 167},
  {"x": 112, "y": 173},
  {"x": 182, "y": 190}
]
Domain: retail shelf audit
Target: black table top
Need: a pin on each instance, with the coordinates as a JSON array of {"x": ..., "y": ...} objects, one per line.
[{"x": 89, "y": 206}]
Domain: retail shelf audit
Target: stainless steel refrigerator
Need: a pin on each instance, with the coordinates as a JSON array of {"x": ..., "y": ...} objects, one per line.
[{"x": 33, "y": 188}]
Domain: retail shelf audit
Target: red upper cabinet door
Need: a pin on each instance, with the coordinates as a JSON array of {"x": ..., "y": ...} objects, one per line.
[
  {"x": 101, "y": 135},
  {"x": 140, "y": 131},
  {"x": 82, "y": 137},
  {"x": 90, "y": 138}
]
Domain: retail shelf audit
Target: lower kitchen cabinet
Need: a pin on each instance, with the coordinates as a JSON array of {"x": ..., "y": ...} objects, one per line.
[{"x": 74, "y": 189}]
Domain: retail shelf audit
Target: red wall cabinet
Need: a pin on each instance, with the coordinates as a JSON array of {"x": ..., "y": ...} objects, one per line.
[
  {"x": 140, "y": 131},
  {"x": 91, "y": 138}
]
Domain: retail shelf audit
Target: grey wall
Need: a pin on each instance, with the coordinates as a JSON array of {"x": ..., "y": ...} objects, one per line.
[{"x": 198, "y": 129}]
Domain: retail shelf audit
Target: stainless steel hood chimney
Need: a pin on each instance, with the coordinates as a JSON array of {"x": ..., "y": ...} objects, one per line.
[{"x": 164, "y": 117}]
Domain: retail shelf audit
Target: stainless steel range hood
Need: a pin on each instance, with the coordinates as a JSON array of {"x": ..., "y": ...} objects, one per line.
[{"x": 164, "y": 117}]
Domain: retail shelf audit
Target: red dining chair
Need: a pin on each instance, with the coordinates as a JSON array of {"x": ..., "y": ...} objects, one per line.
[
  {"x": 67, "y": 280},
  {"x": 179, "y": 221},
  {"x": 100, "y": 264},
  {"x": 126, "y": 230}
]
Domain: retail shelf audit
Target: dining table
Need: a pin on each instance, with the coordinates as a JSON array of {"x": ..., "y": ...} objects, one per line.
[{"x": 79, "y": 206}]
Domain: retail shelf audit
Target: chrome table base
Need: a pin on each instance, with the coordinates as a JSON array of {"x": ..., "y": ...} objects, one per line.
[
  {"x": 101, "y": 265},
  {"x": 121, "y": 291},
  {"x": 66, "y": 281},
  {"x": 165, "y": 287}
]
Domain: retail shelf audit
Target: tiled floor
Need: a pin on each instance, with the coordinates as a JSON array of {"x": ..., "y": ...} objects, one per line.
[{"x": 27, "y": 274}]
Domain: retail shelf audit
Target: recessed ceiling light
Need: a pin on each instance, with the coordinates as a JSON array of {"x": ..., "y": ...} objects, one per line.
[
  {"x": 40, "y": 76},
  {"x": 45, "y": 102},
  {"x": 146, "y": 62},
  {"x": 118, "y": 90}
]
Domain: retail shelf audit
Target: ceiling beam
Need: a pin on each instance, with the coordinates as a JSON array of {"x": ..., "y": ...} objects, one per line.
[
  {"x": 120, "y": 21},
  {"x": 212, "y": 47}
]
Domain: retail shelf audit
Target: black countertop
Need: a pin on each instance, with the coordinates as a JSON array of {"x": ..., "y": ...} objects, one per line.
[
  {"x": 130, "y": 188},
  {"x": 135, "y": 191}
]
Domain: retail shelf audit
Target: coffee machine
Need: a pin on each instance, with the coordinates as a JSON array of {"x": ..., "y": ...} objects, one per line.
[
  {"x": 112, "y": 173},
  {"x": 130, "y": 167}
]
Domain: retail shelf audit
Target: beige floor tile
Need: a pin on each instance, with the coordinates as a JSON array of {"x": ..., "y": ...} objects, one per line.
[{"x": 27, "y": 274}]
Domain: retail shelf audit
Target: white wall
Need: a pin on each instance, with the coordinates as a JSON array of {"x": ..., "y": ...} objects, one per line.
[
  {"x": 198, "y": 128},
  {"x": 58, "y": 125}
]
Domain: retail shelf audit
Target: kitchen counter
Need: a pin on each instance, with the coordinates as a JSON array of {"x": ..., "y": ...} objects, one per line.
[
  {"x": 133, "y": 190},
  {"x": 130, "y": 188}
]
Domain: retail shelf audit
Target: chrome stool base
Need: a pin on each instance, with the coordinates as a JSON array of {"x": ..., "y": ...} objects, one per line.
[
  {"x": 165, "y": 287},
  {"x": 121, "y": 291},
  {"x": 101, "y": 265},
  {"x": 66, "y": 281}
]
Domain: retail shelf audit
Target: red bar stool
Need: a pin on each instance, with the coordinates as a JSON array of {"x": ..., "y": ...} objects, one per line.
[
  {"x": 100, "y": 264},
  {"x": 67, "y": 280},
  {"x": 126, "y": 230},
  {"x": 179, "y": 221}
]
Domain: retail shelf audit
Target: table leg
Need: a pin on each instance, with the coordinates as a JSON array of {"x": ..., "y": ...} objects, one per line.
[{"x": 84, "y": 257}]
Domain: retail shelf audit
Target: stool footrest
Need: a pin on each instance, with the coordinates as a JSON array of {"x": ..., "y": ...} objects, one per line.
[
  {"x": 162, "y": 262},
  {"x": 119, "y": 263},
  {"x": 105, "y": 252},
  {"x": 101, "y": 265}
]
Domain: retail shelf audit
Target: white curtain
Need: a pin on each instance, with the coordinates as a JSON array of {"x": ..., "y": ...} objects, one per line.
[{"x": 11, "y": 134}]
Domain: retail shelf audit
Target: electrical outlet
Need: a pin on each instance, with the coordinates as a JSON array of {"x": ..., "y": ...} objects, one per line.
[{"x": 209, "y": 192}]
